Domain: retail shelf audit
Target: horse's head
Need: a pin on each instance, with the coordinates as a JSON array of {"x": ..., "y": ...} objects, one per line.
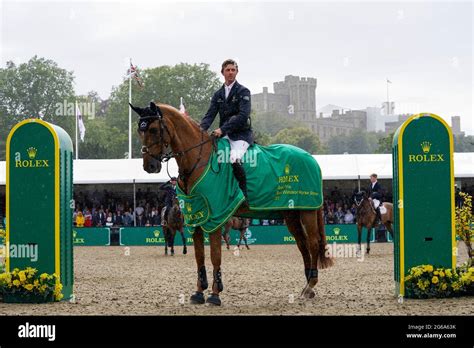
[
  {"x": 359, "y": 197},
  {"x": 154, "y": 136}
]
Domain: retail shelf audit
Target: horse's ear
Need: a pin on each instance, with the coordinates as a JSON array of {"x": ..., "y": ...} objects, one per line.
[
  {"x": 138, "y": 110},
  {"x": 153, "y": 107}
]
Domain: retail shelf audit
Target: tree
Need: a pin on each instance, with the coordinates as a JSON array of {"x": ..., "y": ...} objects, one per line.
[
  {"x": 385, "y": 144},
  {"x": 463, "y": 143},
  {"x": 359, "y": 141},
  {"x": 164, "y": 84},
  {"x": 301, "y": 137},
  {"x": 31, "y": 90},
  {"x": 272, "y": 122}
]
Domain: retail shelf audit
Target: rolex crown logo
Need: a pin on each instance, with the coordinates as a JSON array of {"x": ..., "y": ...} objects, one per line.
[
  {"x": 426, "y": 145},
  {"x": 189, "y": 208},
  {"x": 31, "y": 152},
  {"x": 156, "y": 233},
  {"x": 74, "y": 234},
  {"x": 337, "y": 231},
  {"x": 287, "y": 169}
]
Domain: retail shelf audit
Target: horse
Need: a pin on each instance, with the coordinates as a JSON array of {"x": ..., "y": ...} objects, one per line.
[
  {"x": 239, "y": 224},
  {"x": 167, "y": 133},
  {"x": 174, "y": 222},
  {"x": 366, "y": 217}
]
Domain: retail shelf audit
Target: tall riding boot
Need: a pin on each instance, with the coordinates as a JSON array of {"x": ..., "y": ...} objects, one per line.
[
  {"x": 378, "y": 220},
  {"x": 239, "y": 174}
]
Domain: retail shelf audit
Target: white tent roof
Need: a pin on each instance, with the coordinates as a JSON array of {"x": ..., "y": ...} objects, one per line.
[{"x": 334, "y": 167}]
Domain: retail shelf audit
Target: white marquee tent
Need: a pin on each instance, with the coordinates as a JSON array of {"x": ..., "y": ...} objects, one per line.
[{"x": 334, "y": 167}]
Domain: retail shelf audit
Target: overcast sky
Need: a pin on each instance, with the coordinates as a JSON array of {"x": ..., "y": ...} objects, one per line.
[{"x": 424, "y": 48}]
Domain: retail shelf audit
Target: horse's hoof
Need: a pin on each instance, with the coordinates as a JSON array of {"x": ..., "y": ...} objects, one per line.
[
  {"x": 172, "y": 253},
  {"x": 308, "y": 292},
  {"x": 248, "y": 248},
  {"x": 185, "y": 251},
  {"x": 198, "y": 298},
  {"x": 214, "y": 300},
  {"x": 368, "y": 251}
]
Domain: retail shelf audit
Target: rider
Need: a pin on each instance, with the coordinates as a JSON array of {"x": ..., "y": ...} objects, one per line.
[
  {"x": 170, "y": 190},
  {"x": 232, "y": 102},
  {"x": 376, "y": 193}
]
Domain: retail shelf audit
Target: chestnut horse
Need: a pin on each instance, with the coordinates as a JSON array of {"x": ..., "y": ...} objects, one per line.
[
  {"x": 166, "y": 133},
  {"x": 367, "y": 217},
  {"x": 174, "y": 222},
  {"x": 239, "y": 224}
]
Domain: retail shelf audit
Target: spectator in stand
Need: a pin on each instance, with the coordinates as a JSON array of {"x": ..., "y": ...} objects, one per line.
[
  {"x": 118, "y": 221},
  {"x": 147, "y": 223},
  {"x": 88, "y": 218},
  {"x": 339, "y": 216},
  {"x": 127, "y": 219},
  {"x": 348, "y": 218},
  {"x": 80, "y": 219},
  {"x": 109, "y": 222},
  {"x": 330, "y": 217}
]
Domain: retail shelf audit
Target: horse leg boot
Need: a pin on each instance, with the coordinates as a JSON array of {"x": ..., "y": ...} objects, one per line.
[
  {"x": 216, "y": 255},
  {"x": 202, "y": 284},
  {"x": 241, "y": 177}
]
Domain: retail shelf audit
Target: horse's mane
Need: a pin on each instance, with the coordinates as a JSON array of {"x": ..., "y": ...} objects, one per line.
[{"x": 175, "y": 113}]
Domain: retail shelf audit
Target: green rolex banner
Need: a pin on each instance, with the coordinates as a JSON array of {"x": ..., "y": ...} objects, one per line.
[{"x": 279, "y": 177}]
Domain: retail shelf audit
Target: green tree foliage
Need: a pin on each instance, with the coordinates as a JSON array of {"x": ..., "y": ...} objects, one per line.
[
  {"x": 358, "y": 141},
  {"x": 32, "y": 90},
  {"x": 301, "y": 137},
  {"x": 385, "y": 143},
  {"x": 165, "y": 84},
  {"x": 272, "y": 122}
]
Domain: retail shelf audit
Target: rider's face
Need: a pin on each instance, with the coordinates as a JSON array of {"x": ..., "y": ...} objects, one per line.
[
  {"x": 373, "y": 179},
  {"x": 230, "y": 73}
]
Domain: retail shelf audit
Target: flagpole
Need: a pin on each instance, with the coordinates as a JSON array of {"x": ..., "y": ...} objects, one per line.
[
  {"x": 77, "y": 143},
  {"x": 130, "y": 113},
  {"x": 388, "y": 102}
]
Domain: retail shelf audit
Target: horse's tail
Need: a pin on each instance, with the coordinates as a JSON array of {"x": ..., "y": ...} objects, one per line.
[{"x": 324, "y": 259}]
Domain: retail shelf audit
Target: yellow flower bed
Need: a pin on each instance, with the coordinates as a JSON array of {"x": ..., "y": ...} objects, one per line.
[
  {"x": 28, "y": 283},
  {"x": 426, "y": 281}
]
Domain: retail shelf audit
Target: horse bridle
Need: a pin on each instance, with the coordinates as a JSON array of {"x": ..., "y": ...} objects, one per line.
[{"x": 144, "y": 123}]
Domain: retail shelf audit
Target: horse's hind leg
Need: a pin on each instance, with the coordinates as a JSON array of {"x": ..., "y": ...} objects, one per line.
[
  {"x": 198, "y": 239},
  {"x": 226, "y": 237},
  {"x": 242, "y": 235},
  {"x": 309, "y": 223},
  {"x": 215, "y": 239},
  {"x": 292, "y": 219}
]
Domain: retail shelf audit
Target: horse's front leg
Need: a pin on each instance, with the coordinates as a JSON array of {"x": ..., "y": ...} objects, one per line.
[
  {"x": 359, "y": 238},
  {"x": 185, "y": 249},
  {"x": 369, "y": 231},
  {"x": 202, "y": 284},
  {"x": 216, "y": 255},
  {"x": 172, "y": 235},
  {"x": 165, "y": 232}
]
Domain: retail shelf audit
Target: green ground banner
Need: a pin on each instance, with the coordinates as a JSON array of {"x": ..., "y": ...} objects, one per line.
[
  {"x": 91, "y": 236},
  {"x": 274, "y": 234}
]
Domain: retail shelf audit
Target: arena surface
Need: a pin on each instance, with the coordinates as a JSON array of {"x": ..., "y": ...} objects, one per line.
[{"x": 265, "y": 280}]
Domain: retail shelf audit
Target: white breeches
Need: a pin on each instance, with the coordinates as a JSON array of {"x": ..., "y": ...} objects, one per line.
[{"x": 237, "y": 149}]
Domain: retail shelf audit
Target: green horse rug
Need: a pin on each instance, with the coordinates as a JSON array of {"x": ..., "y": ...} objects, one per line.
[{"x": 279, "y": 177}]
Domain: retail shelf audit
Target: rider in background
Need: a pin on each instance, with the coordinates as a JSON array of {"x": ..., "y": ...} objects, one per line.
[
  {"x": 376, "y": 193},
  {"x": 232, "y": 102},
  {"x": 170, "y": 189}
]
